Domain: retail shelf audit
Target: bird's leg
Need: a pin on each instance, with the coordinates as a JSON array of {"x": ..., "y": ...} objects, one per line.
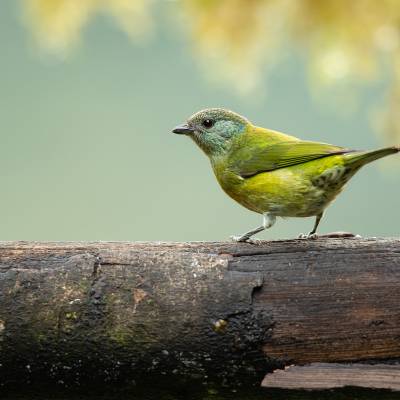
[
  {"x": 317, "y": 221},
  {"x": 312, "y": 234},
  {"x": 268, "y": 221}
]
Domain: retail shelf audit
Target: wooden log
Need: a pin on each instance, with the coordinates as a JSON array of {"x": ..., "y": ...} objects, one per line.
[
  {"x": 79, "y": 313},
  {"x": 320, "y": 376}
]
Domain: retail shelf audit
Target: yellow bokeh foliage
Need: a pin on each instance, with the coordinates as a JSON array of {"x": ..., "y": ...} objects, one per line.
[
  {"x": 57, "y": 24},
  {"x": 345, "y": 43}
]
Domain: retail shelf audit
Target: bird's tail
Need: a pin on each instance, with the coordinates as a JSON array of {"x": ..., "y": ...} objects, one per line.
[{"x": 358, "y": 159}]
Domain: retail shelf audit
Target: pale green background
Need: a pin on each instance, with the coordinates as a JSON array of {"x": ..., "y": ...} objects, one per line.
[{"x": 86, "y": 150}]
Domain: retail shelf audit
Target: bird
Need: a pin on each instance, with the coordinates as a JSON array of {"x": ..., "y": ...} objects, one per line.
[{"x": 273, "y": 173}]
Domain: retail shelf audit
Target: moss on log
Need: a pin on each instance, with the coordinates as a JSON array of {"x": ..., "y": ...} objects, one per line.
[{"x": 95, "y": 313}]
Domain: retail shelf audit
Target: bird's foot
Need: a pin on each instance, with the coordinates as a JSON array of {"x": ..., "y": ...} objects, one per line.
[
  {"x": 308, "y": 236},
  {"x": 245, "y": 239}
]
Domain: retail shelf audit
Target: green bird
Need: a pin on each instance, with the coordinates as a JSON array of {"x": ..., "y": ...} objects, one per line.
[{"x": 271, "y": 173}]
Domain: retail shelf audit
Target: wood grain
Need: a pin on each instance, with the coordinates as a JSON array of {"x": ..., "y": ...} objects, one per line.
[
  {"x": 117, "y": 311},
  {"x": 319, "y": 376}
]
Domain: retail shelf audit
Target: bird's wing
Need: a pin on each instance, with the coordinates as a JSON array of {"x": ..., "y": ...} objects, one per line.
[{"x": 248, "y": 162}]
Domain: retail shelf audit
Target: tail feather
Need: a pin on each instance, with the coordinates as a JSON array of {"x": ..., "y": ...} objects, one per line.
[{"x": 358, "y": 159}]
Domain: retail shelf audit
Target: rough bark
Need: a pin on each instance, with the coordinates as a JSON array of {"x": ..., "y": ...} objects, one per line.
[{"x": 80, "y": 313}]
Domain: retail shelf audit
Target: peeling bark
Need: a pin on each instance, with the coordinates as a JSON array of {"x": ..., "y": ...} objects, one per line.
[{"x": 321, "y": 376}]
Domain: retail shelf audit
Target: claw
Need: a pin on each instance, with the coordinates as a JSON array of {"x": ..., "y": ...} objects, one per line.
[
  {"x": 235, "y": 238},
  {"x": 243, "y": 239},
  {"x": 308, "y": 236}
]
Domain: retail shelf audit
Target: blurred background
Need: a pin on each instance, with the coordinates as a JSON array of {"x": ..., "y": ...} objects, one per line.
[{"x": 90, "y": 90}]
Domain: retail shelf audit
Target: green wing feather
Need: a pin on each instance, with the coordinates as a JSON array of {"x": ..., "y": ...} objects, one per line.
[{"x": 248, "y": 161}]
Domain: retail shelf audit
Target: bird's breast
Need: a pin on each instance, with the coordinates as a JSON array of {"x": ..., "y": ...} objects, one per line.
[
  {"x": 299, "y": 191},
  {"x": 246, "y": 192}
]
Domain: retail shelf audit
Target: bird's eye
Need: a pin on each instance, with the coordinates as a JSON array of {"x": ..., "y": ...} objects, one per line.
[{"x": 208, "y": 123}]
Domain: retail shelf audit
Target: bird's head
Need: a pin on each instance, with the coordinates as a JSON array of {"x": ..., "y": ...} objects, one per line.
[{"x": 213, "y": 129}]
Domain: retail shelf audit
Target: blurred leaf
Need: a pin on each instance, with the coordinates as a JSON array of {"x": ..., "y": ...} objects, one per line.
[
  {"x": 57, "y": 24},
  {"x": 346, "y": 44}
]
